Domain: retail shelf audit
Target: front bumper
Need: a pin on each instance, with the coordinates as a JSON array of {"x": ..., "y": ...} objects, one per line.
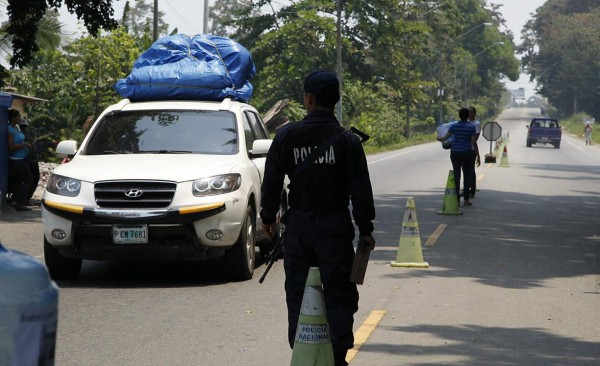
[
  {"x": 181, "y": 215},
  {"x": 179, "y": 232}
]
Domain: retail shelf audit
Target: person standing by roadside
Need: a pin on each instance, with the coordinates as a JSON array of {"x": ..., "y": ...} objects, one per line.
[
  {"x": 32, "y": 158},
  {"x": 319, "y": 230},
  {"x": 587, "y": 132},
  {"x": 476, "y": 159},
  {"x": 461, "y": 152},
  {"x": 18, "y": 151}
]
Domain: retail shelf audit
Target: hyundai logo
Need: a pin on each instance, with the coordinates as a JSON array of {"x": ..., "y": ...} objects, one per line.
[{"x": 134, "y": 193}]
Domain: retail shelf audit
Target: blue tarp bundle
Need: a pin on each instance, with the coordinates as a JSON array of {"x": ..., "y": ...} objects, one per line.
[{"x": 202, "y": 67}]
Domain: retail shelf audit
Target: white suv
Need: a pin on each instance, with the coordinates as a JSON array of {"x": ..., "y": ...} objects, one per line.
[{"x": 159, "y": 179}]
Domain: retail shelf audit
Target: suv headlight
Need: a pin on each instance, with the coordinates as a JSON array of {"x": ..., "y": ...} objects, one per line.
[
  {"x": 63, "y": 186},
  {"x": 216, "y": 185}
]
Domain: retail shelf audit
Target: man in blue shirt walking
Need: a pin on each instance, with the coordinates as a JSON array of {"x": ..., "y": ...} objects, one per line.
[{"x": 461, "y": 152}]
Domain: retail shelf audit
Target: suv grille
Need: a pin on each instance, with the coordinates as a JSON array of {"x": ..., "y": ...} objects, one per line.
[{"x": 134, "y": 194}]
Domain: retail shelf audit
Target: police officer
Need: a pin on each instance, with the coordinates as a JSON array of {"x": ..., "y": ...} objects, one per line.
[{"x": 319, "y": 230}]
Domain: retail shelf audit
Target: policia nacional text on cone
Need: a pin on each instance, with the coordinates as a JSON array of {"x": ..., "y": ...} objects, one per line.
[{"x": 312, "y": 343}]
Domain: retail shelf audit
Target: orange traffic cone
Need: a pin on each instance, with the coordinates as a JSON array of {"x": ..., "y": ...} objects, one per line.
[
  {"x": 504, "y": 159},
  {"x": 312, "y": 344},
  {"x": 409, "y": 249},
  {"x": 450, "y": 204}
]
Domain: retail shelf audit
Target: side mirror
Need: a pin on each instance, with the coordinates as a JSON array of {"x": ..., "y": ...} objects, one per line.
[
  {"x": 66, "y": 148},
  {"x": 527, "y": 126},
  {"x": 260, "y": 148}
]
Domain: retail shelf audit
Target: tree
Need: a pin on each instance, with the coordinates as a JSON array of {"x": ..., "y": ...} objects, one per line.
[
  {"x": 222, "y": 15},
  {"x": 282, "y": 64},
  {"x": 138, "y": 19},
  {"x": 48, "y": 36},
  {"x": 560, "y": 51},
  {"x": 25, "y": 16},
  {"x": 392, "y": 48},
  {"x": 77, "y": 82}
]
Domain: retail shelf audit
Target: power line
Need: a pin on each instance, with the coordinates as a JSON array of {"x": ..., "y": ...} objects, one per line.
[{"x": 182, "y": 18}]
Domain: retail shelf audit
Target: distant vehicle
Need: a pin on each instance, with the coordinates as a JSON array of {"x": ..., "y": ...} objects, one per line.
[{"x": 544, "y": 131}]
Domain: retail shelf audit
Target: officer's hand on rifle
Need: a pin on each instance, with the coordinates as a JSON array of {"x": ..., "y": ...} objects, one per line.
[
  {"x": 269, "y": 230},
  {"x": 369, "y": 241}
]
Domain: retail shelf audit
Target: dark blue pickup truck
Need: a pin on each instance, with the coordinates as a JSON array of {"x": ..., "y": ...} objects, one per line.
[{"x": 544, "y": 131}]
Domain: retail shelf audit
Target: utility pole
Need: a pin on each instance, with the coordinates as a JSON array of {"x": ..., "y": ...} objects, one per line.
[
  {"x": 155, "y": 23},
  {"x": 441, "y": 90},
  {"x": 465, "y": 81},
  {"x": 205, "y": 21},
  {"x": 339, "y": 57}
]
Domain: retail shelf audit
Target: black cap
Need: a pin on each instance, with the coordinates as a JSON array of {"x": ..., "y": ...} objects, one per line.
[{"x": 324, "y": 85}]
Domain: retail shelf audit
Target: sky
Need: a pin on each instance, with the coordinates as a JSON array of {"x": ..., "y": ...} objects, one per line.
[{"x": 187, "y": 16}]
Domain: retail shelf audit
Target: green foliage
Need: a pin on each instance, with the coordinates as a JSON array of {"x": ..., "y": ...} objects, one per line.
[
  {"x": 24, "y": 17},
  {"x": 138, "y": 21},
  {"x": 395, "y": 56},
  {"x": 574, "y": 125},
  {"x": 288, "y": 54},
  {"x": 77, "y": 82},
  {"x": 560, "y": 51},
  {"x": 295, "y": 111}
]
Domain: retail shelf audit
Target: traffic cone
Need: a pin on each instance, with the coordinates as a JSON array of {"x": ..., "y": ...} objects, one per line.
[
  {"x": 450, "y": 204},
  {"x": 499, "y": 147},
  {"x": 409, "y": 249},
  {"x": 504, "y": 159},
  {"x": 312, "y": 344}
]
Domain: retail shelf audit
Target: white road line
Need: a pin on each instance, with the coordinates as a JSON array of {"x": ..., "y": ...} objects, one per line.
[
  {"x": 396, "y": 155},
  {"x": 575, "y": 146}
]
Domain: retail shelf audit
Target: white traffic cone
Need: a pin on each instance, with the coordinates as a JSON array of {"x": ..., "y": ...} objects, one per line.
[{"x": 312, "y": 344}]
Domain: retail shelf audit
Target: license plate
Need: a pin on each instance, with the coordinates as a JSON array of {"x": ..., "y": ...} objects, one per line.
[
  {"x": 544, "y": 139},
  {"x": 130, "y": 234}
]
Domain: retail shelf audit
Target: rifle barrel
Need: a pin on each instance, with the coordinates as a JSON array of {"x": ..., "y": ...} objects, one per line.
[{"x": 273, "y": 256}]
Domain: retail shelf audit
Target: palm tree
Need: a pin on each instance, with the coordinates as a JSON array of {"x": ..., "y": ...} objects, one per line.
[{"x": 48, "y": 36}]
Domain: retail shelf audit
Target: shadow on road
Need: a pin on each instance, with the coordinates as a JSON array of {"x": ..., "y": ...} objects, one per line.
[
  {"x": 505, "y": 239},
  {"x": 148, "y": 274},
  {"x": 477, "y": 345}
]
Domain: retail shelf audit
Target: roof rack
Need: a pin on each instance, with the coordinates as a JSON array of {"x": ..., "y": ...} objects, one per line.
[{"x": 226, "y": 104}]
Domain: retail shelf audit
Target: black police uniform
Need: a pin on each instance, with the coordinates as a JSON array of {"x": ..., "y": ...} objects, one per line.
[{"x": 319, "y": 230}]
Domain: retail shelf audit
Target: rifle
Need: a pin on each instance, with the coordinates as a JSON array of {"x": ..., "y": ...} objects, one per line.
[
  {"x": 363, "y": 136},
  {"x": 274, "y": 254}
]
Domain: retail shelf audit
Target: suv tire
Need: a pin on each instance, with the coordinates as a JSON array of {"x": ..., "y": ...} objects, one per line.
[
  {"x": 60, "y": 267},
  {"x": 240, "y": 259}
]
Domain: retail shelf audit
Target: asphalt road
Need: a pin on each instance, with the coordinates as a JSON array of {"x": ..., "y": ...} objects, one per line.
[{"x": 513, "y": 281}]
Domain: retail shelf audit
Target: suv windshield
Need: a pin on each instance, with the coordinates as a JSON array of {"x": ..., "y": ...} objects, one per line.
[{"x": 166, "y": 132}]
